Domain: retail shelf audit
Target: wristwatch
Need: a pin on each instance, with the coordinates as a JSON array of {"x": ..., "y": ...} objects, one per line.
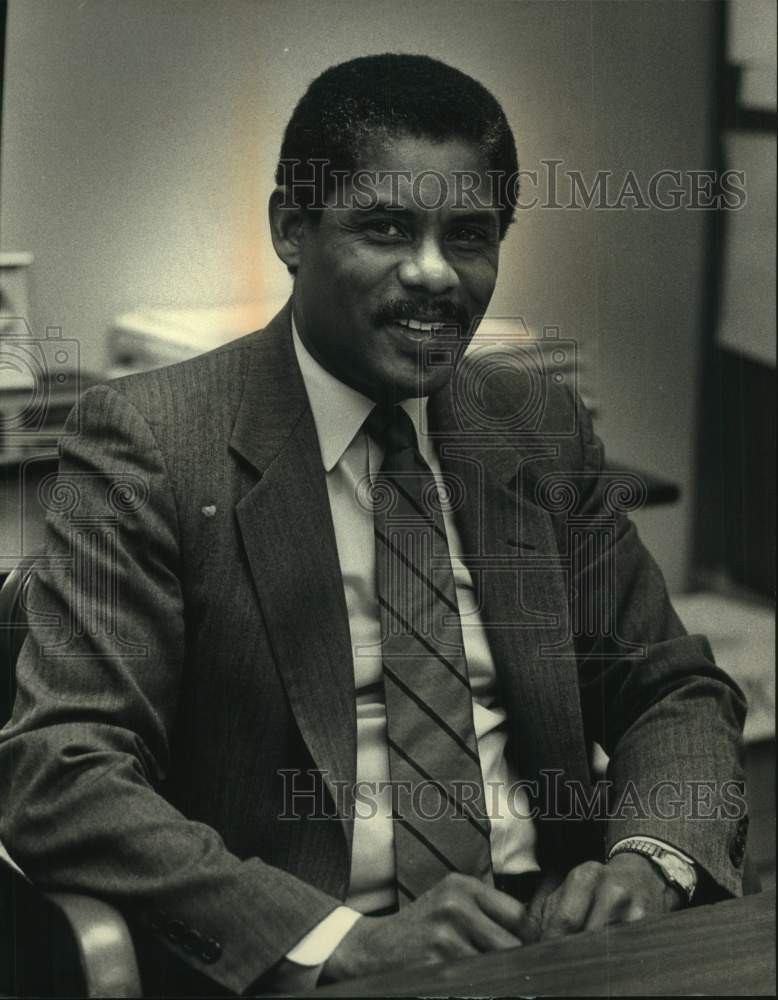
[{"x": 675, "y": 869}]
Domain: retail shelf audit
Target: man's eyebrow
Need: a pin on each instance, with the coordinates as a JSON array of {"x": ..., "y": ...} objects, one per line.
[
  {"x": 381, "y": 206},
  {"x": 482, "y": 216},
  {"x": 377, "y": 205}
]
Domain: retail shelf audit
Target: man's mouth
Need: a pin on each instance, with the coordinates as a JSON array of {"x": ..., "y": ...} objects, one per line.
[{"x": 420, "y": 326}]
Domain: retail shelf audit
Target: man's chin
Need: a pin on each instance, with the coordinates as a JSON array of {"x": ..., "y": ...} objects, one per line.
[{"x": 425, "y": 383}]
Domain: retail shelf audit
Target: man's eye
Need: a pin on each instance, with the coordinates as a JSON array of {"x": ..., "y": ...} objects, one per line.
[
  {"x": 385, "y": 227},
  {"x": 468, "y": 235}
]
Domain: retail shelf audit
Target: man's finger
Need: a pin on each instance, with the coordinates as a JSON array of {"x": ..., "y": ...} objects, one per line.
[
  {"x": 487, "y": 935},
  {"x": 501, "y": 908},
  {"x": 611, "y": 905},
  {"x": 566, "y": 909},
  {"x": 635, "y": 911},
  {"x": 486, "y": 917},
  {"x": 532, "y": 925},
  {"x": 450, "y": 941}
]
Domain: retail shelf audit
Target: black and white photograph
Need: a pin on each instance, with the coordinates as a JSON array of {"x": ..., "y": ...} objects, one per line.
[{"x": 387, "y": 498}]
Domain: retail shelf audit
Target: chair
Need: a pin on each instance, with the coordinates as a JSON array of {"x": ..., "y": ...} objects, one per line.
[{"x": 54, "y": 944}]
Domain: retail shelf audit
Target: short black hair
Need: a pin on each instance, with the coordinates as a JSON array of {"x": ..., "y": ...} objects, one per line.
[{"x": 354, "y": 102}]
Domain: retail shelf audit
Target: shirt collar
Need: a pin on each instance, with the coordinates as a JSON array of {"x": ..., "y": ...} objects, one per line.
[{"x": 338, "y": 410}]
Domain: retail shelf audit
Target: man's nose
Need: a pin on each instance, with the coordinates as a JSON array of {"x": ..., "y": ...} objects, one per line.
[{"x": 426, "y": 267}]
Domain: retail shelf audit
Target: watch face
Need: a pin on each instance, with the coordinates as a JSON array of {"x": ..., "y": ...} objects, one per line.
[{"x": 677, "y": 870}]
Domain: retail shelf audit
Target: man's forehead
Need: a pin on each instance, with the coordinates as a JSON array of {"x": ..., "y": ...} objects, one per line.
[
  {"x": 410, "y": 173},
  {"x": 419, "y": 152}
]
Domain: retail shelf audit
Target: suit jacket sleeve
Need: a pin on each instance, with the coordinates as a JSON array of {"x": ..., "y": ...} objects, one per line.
[
  {"x": 86, "y": 751},
  {"x": 669, "y": 718}
]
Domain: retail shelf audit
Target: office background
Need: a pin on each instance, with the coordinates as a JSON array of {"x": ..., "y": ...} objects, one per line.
[{"x": 139, "y": 142}]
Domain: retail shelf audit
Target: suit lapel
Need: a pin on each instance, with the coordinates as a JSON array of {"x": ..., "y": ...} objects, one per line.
[
  {"x": 512, "y": 552},
  {"x": 286, "y": 527},
  {"x": 509, "y": 543}
]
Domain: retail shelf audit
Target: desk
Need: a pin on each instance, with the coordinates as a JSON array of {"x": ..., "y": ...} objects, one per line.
[{"x": 721, "y": 950}]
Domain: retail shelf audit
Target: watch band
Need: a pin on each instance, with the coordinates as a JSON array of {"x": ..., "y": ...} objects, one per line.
[{"x": 676, "y": 869}]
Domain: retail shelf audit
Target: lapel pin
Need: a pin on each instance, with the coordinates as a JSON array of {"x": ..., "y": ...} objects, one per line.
[{"x": 209, "y": 510}]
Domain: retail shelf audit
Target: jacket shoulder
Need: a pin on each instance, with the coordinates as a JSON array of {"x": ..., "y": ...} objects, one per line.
[
  {"x": 511, "y": 394},
  {"x": 191, "y": 383}
]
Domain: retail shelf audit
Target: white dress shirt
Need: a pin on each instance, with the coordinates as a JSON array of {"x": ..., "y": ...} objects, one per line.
[{"x": 350, "y": 456}]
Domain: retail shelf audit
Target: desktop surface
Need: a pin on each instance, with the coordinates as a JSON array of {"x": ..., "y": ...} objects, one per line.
[{"x": 727, "y": 949}]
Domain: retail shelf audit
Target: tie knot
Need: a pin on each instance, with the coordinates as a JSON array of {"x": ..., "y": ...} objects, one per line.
[{"x": 392, "y": 428}]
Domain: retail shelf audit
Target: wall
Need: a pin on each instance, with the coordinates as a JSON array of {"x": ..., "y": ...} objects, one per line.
[{"x": 140, "y": 137}]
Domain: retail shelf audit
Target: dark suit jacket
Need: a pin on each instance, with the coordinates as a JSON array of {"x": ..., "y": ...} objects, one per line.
[{"x": 189, "y": 643}]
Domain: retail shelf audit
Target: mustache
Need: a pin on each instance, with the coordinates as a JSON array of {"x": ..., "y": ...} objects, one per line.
[{"x": 441, "y": 311}]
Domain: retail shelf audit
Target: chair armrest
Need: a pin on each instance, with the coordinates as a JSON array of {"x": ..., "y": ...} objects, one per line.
[{"x": 105, "y": 948}]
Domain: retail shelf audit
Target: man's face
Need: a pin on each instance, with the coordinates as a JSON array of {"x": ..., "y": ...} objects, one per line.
[{"x": 374, "y": 285}]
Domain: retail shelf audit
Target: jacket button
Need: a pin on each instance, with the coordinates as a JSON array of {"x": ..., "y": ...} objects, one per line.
[
  {"x": 737, "y": 847},
  {"x": 174, "y": 930},
  {"x": 211, "y": 951},
  {"x": 737, "y": 850},
  {"x": 192, "y": 941}
]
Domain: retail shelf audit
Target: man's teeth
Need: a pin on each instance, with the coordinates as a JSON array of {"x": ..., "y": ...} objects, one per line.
[{"x": 415, "y": 324}]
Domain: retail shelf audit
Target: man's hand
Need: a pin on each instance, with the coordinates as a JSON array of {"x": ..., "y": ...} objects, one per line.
[
  {"x": 459, "y": 916},
  {"x": 628, "y": 888}
]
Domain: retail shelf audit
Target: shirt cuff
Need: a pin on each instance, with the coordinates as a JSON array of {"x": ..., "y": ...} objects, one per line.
[
  {"x": 318, "y": 944},
  {"x": 299, "y": 971}
]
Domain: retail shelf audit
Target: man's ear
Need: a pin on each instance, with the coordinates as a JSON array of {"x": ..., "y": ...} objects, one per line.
[{"x": 286, "y": 228}]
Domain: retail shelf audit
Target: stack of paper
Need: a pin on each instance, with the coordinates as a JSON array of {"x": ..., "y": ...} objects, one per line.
[
  {"x": 742, "y": 635},
  {"x": 150, "y": 338}
]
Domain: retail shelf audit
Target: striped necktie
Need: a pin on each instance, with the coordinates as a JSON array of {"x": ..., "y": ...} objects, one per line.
[{"x": 440, "y": 821}]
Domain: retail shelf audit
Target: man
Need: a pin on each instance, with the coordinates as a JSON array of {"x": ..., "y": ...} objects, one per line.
[{"x": 312, "y": 626}]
